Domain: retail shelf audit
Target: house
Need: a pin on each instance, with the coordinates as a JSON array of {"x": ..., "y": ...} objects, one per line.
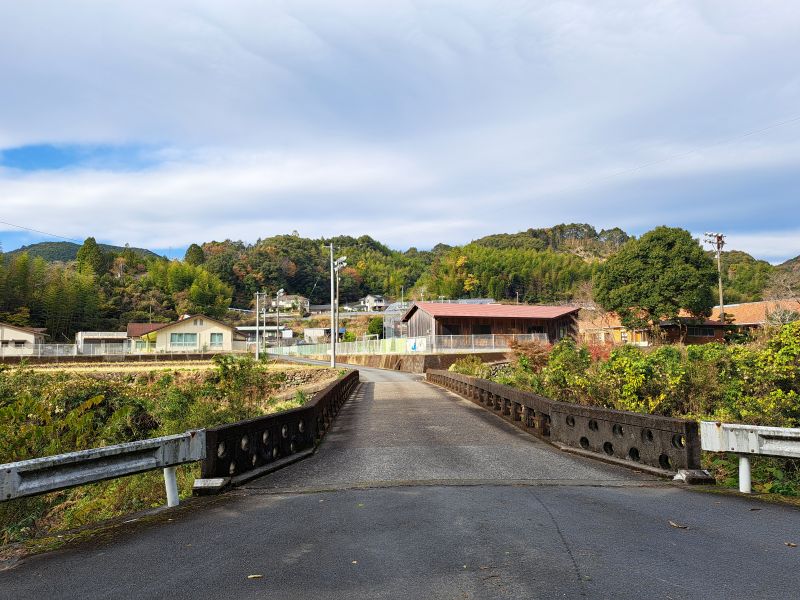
[
  {"x": 101, "y": 342},
  {"x": 195, "y": 333},
  {"x": 372, "y": 303},
  {"x": 601, "y": 327},
  {"x": 438, "y": 318},
  {"x": 19, "y": 341},
  {"x": 753, "y": 315},
  {"x": 319, "y": 309},
  {"x": 291, "y": 303},
  {"x": 267, "y": 331}
]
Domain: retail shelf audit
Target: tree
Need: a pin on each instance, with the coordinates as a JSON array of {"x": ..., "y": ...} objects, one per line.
[
  {"x": 375, "y": 326},
  {"x": 651, "y": 279},
  {"x": 90, "y": 256},
  {"x": 194, "y": 255}
]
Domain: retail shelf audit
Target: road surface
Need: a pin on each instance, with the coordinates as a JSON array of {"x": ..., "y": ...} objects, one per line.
[{"x": 417, "y": 493}]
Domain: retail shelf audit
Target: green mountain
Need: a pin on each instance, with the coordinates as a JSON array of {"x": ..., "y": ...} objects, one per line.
[{"x": 67, "y": 251}]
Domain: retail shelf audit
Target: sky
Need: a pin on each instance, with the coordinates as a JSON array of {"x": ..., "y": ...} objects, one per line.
[{"x": 165, "y": 122}]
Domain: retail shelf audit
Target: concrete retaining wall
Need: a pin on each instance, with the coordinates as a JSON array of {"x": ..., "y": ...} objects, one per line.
[{"x": 80, "y": 358}]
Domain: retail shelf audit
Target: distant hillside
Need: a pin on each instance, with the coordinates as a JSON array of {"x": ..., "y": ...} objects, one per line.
[
  {"x": 581, "y": 239},
  {"x": 67, "y": 251},
  {"x": 791, "y": 265}
]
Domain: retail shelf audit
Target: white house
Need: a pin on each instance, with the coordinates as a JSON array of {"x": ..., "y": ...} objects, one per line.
[
  {"x": 292, "y": 303},
  {"x": 372, "y": 303},
  {"x": 195, "y": 333},
  {"x": 19, "y": 341}
]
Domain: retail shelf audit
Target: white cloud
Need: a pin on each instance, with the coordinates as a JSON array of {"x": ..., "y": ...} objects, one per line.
[{"x": 435, "y": 121}]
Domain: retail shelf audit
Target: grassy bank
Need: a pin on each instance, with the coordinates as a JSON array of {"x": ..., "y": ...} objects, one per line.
[
  {"x": 756, "y": 383},
  {"x": 45, "y": 412}
]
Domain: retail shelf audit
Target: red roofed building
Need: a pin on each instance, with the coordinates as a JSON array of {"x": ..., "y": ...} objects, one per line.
[{"x": 441, "y": 318}]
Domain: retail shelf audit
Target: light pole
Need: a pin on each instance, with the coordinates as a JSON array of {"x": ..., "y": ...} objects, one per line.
[
  {"x": 717, "y": 240},
  {"x": 339, "y": 264},
  {"x": 258, "y": 312},
  {"x": 278, "y": 295}
]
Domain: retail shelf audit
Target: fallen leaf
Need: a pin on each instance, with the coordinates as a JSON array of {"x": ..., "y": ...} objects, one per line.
[
  {"x": 677, "y": 526},
  {"x": 255, "y": 576},
  {"x": 355, "y": 562},
  {"x": 791, "y": 544},
  {"x": 754, "y": 509},
  {"x": 360, "y": 505}
]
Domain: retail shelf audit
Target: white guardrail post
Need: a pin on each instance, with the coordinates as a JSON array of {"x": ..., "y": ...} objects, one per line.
[
  {"x": 748, "y": 440},
  {"x": 53, "y": 473}
]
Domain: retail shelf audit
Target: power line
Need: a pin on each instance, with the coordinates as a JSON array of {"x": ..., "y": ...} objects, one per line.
[{"x": 41, "y": 232}]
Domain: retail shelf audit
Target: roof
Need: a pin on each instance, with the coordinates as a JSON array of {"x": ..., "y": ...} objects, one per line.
[
  {"x": 594, "y": 320},
  {"x": 495, "y": 311},
  {"x": 756, "y": 313},
  {"x": 31, "y": 330},
  {"x": 190, "y": 317},
  {"x": 135, "y": 330}
]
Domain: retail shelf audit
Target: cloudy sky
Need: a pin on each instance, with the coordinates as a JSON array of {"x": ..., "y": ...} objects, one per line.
[{"x": 165, "y": 122}]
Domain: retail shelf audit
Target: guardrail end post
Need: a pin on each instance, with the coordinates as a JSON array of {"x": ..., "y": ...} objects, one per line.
[
  {"x": 171, "y": 484},
  {"x": 745, "y": 482}
]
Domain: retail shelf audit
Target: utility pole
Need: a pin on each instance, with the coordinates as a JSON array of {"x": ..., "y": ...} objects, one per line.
[
  {"x": 717, "y": 240},
  {"x": 333, "y": 337},
  {"x": 518, "y": 297}
]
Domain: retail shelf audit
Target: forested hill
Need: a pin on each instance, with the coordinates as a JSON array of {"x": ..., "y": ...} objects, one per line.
[
  {"x": 67, "y": 251},
  {"x": 69, "y": 288}
]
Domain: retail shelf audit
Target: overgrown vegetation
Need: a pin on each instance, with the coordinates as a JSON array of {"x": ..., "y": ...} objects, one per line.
[
  {"x": 755, "y": 383},
  {"x": 46, "y": 413}
]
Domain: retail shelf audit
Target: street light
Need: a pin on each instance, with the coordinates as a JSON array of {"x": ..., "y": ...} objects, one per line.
[{"x": 278, "y": 295}]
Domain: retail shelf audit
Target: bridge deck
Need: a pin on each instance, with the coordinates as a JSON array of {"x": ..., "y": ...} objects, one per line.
[{"x": 418, "y": 494}]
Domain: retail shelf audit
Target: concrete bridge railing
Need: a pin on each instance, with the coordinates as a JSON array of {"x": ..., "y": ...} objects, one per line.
[{"x": 650, "y": 442}]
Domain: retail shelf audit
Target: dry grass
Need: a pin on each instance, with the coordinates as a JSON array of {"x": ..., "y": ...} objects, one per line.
[{"x": 147, "y": 367}]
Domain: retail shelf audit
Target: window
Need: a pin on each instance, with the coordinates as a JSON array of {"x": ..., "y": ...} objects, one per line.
[
  {"x": 700, "y": 332},
  {"x": 216, "y": 339},
  {"x": 198, "y": 322},
  {"x": 183, "y": 340}
]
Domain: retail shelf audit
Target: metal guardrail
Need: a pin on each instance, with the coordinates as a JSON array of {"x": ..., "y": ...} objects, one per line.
[
  {"x": 53, "y": 473},
  {"x": 747, "y": 440},
  {"x": 246, "y": 449},
  {"x": 661, "y": 443}
]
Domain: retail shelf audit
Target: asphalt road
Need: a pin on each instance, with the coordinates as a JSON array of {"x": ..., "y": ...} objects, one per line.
[{"x": 416, "y": 493}]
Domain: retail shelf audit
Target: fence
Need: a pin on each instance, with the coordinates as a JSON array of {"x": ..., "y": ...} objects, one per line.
[
  {"x": 117, "y": 350},
  {"x": 52, "y": 473},
  {"x": 747, "y": 440},
  {"x": 661, "y": 443},
  {"x": 247, "y": 449},
  {"x": 230, "y": 451},
  {"x": 418, "y": 345}
]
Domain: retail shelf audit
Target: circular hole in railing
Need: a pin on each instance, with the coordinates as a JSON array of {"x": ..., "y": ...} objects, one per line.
[
  {"x": 593, "y": 426},
  {"x": 253, "y": 460},
  {"x": 244, "y": 443},
  {"x": 285, "y": 431},
  {"x": 633, "y": 454},
  {"x": 584, "y": 442},
  {"x": 608, "y": 448},
  {"x": 679, "y": 441},
  {"x": 220, "y": 449},
  {"x": 617, "y": 430},
  {"x": 665, "y": 462},
  {"x": 232, "y": 468},
  {"x": 275, "y": 452},
  {"x": 647, "y": 436},
  {"x": 265, "y": 437},
  {"x": 301, "y": 427},
  {"x": 570, "y": 421},
  {"x": 291, "y": 447}
]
